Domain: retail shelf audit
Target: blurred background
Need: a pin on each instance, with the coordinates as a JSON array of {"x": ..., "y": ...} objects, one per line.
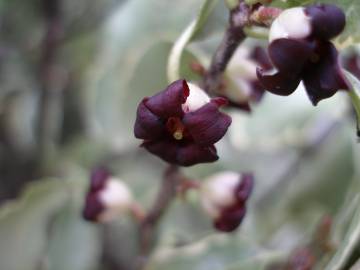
[{"x": 71, "y": 76}]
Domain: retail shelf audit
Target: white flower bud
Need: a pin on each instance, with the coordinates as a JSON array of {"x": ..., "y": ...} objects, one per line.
[
  {"x": 196, "y": 99},
  {"x": 218, "y": 192},
  {"x": 116, "y": 198},
  {"x": 291, "y": 23},
  {"x": 238, "y": 75}
]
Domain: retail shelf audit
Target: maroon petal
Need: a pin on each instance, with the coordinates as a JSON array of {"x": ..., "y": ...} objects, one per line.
[
  {"x": 243, "y": 191},
  {"x": 148, "y": 126},
  {"x": 259, "y": 55},
  {"x": 351, "y": 62},
  {"x": 278, "y": 83},
  {"x": 98, "y": 178},
  {"x": 207, "y": 125},
  {"x": 168, "y": 102},
  {"x": 327, "y": 21},
  {"x": 191, "y": 154},
  {"x": 257, "y": 90},
  {"x": 93, "y": 207},
  {"x": 324, "y": 78},
  {"x": 230, "y": 219},
  {"x": 181, "y": 153},
  {"x": 289, "y": 55},
  {"x": 165, "y": 149}
]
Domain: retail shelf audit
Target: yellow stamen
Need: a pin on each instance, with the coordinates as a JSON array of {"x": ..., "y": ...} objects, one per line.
[{"x": 178, "y": 135}]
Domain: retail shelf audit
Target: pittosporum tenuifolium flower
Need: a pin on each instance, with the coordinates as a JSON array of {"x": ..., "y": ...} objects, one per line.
[
  {"x": 107, "y": 197},
  {"x": 224, "y": 196},
  {"x": 242, "y": 86},
  {"x": 300, "y": 50},
  {"x": 181, "y": 124}
]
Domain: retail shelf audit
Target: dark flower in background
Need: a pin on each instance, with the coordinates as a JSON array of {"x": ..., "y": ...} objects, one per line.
[
  {"x": 351, "y": 62},
  {"x": 242, "y": 86},
  {"x": 181, "y": 124},
  {"x": 300, "y": 50},
  {"x": 106, "y": 198},
  {"x": 224, "y": 196}
]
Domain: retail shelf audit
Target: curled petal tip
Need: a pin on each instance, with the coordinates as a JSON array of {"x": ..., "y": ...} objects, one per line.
[
  {"x": 327, "y": 20},
  {"x": 220, "y": 101},
  {"x": 277, "y": 82}
]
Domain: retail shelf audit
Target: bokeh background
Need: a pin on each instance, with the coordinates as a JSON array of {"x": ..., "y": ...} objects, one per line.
[{"x": 71, "y": 76}]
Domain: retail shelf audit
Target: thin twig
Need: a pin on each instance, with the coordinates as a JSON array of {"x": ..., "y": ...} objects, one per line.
[
  {"x": 165, "y": 196},
  {"x": 234, "y": 35},
  {"x": 49, "y": 76}
]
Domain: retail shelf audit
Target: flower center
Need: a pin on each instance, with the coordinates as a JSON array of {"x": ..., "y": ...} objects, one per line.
[{"x": 176, "y": 128}]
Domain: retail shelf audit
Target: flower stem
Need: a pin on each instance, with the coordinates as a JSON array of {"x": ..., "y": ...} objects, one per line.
[
  {"x": 234, "y": 35},
  {"x": 257, "y": 32},
  {"x": 148, "y": 226},
  {"x": 49, "y": 117}
]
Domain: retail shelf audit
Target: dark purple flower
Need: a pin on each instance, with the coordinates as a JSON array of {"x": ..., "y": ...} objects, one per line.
[
  {"x": 224, "y": 197},
  {"x": 181, "y": 124},
  {"x": 106, "y": 198},
  {"x": 300, "y": 50},
  {"x": 242, "y": 86}
]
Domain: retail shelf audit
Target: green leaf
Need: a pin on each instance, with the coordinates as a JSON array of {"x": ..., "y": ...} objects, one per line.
[
  {"x": 73, "y": 243},
  {"x": 193, "y": 29},
  {"x": 354, "y": 95},
  {"x": 216, "y": 252},
  {"x": 24, "y": 225},
  {"x": 349, "y": 244}
]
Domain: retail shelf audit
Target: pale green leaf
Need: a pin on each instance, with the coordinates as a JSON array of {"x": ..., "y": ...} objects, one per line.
[
  {"x": 174, "y": 63},
  {"x": 349, "y": 244},
  {"x": 216, "y": 252},
  {"x": 24, "y": 225}
]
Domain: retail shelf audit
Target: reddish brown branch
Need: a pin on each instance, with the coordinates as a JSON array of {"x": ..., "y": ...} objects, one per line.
[
  {"x": 234, "y": 35},
  {"x": 167, "y": 193},
  {"x": 49, "y": 76}
]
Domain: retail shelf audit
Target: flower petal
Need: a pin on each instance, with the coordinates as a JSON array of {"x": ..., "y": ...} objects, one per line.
[
  {"x": 327, "y": 21},
  {"x": 148, "y": 126},
  {"x": 259, "y": 55},
  {"x": 98, "y": 178},
  {"x": 230, "y": 219},
  {"x": 244, "y": 189},
  {"x": 181, "y": 153},
  {"x": 93, "y": 207},
  {"x": 351, "y": 62},
  {"x": 191, "y": 154},
  {"x": 290, "y": 55},
  {"x": 207, "y": 125},
  {"x": 168, "y": 102},
  {"x": 166, "y": 149},
  {"x": 324, "y": 78},
  {"x": 278, "y": 83}
]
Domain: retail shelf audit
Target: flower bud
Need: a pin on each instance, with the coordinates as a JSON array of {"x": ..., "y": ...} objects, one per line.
[
  {"x": 224, "y": 197},
  {"x": 241, "y": 83},
  {"x": 107, "y": 197}
]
